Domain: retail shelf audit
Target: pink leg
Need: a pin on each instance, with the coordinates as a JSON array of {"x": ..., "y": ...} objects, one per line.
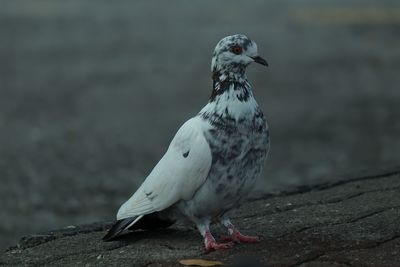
[
  {"x": 209, "y": 240},
  {"x": 236, "y": 236}
]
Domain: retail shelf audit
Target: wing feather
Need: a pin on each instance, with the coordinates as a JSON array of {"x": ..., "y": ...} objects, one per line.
[{"x": 179, "y": 173}]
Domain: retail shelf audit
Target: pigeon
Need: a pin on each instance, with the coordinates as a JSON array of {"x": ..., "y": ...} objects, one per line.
[{"x": 213, "y": 161}]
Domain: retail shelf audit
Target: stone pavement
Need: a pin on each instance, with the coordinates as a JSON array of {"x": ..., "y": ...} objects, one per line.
[{"x": 355, "y": 223}]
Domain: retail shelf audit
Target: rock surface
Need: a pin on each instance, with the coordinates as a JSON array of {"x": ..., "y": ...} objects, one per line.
[{"x": 355, "y": 223}]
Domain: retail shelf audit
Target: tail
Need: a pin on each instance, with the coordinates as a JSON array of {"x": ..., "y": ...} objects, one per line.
[
  {"x": 119, "y": 226},
  {"x": 145, "y": 222}
]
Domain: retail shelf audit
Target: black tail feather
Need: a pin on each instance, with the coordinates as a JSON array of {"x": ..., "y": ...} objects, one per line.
[
  {"x": 150, "y": 221},
  {"x": 117, "y": 228}
]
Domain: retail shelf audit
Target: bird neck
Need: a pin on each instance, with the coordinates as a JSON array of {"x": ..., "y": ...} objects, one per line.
[
  {"x": 231, "y": 98},
  {"x": 223, "y": 80}
]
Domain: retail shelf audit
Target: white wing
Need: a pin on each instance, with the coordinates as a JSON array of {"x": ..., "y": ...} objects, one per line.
[{"x": 179, "y": 173}]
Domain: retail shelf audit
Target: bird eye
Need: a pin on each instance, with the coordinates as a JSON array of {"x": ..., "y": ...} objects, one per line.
[{"x": 236, "y": 50}]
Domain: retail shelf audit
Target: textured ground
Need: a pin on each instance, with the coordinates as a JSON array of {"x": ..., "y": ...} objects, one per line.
[
  {"x": 91, "y": 93},
  {"x": 355, "y": 223}
]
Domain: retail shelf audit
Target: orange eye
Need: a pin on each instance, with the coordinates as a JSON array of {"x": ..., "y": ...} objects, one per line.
[{"x": 236, "y": 50}]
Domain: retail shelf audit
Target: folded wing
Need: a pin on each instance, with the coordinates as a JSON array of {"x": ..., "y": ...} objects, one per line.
[{"x": 177, "y": 176}]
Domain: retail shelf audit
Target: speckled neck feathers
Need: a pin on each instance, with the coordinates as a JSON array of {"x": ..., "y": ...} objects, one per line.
[{"x": 231, "y": 100}]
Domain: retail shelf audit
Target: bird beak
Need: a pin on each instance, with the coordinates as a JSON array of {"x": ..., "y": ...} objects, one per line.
[{"x": 260, "y": 60}]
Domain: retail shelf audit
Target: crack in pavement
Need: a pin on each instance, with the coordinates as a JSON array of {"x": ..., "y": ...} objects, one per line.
[
  {"x": 338, "y": 223},
  {"x": 379, "y": 243},
  {"x": 309, "y": 259},
  {"x": 326, "y": 253},
  {"x": 318, "y": 258},
  {"x": 294, "y": 207},
  {"x": 319, "y": 187}
]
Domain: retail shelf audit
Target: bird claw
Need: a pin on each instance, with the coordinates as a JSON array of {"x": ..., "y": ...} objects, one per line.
[
  {"x": 213, "y": 245},
  {"x": 237, "y": 237}
]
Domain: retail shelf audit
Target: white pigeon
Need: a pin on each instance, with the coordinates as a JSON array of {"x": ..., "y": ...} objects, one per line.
[{"x": 214, "y": 159}]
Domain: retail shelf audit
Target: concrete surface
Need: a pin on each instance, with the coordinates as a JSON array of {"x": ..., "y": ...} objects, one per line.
[
  {"x": 355, "y": 223},
  {"x": 91, "y": 93}
]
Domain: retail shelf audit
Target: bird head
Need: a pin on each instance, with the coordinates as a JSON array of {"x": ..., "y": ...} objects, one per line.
[{"x": 234, "y": 53}]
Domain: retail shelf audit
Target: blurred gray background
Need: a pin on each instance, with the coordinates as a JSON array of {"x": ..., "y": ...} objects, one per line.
[{"x": 92, "y": 92}]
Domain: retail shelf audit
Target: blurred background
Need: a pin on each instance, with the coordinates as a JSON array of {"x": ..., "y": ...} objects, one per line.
[{"x": 92, "y": 92}]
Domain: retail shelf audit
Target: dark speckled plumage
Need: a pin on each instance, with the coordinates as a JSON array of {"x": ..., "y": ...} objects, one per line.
[
  {"x": 238, "y": 138},
  {"x": 239, "y": 148}
]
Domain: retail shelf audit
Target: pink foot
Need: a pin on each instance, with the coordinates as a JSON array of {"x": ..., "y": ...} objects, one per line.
[
  {"x": 213, "y": 245},
  {"x": 238, "y": 238}
]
